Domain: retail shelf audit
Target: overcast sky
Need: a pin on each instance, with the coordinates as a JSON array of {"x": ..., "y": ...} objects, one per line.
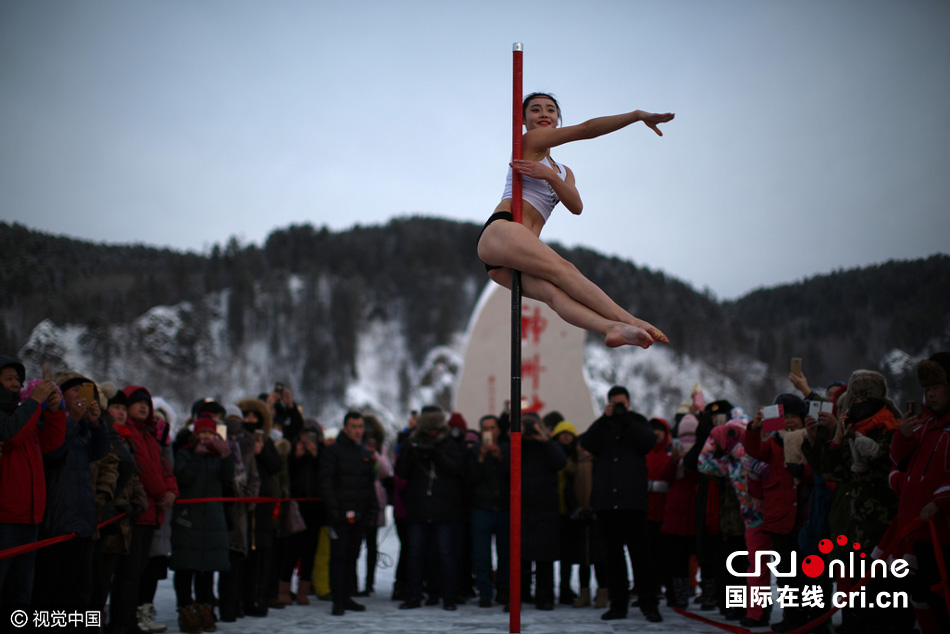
[{"x": 810, "y": 135}]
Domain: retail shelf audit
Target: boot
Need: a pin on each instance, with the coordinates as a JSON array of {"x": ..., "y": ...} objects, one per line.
[
  {"x": 303, "y": 589},
  {"x": 145, "y": 616},
  {"x": 205, "y": 613},
  {"x": 283, "y": 593},
  {"x": 583, "y": 599},
  {"x": 188, "y": 620},
  {"x": 709, "y": 599},
  {"x": 602, "y": 598}
]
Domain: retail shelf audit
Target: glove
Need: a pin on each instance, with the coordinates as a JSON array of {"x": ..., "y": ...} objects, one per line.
[{"x": 221, "y": 446}]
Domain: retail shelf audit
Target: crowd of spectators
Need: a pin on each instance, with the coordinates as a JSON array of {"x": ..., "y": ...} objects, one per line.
[{"x": 250, "y": 507}]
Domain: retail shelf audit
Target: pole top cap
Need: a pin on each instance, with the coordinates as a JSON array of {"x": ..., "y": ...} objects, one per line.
[{"x": 518, "y": 46}]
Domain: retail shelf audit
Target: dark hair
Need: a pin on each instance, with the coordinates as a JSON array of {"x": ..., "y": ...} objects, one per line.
[
  {"x": 351, "y": 415},
  {"x": 618, "y": 390},
  {"x": 540, "y": 95}
]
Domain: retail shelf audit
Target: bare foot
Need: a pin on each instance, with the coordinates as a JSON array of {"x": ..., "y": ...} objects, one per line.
[
  {"x": 627, "y": 335},
  {"x": 652, "y": 330}
]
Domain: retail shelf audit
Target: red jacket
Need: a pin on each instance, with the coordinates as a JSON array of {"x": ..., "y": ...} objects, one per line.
[
  {"x": 779, "y": 491},
  {"x": 154, "y": 471},
  {"x": 656, "y": 462},
  {"x": 23, "y": 490},
  {"x": 679, "y": 509},
  {"x": 925, "y": 477}
]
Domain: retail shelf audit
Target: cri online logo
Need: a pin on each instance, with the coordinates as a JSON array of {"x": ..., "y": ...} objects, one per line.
[{"x": 814, "y": 566}]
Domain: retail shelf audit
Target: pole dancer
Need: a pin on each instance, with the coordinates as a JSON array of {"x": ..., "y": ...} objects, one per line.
[{"x": 506, "y": 245}]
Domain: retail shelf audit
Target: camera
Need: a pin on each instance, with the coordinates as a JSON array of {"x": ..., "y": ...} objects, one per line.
[{"x": 619, "y": 409}]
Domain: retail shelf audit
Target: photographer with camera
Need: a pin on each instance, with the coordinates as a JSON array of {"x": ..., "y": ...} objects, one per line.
[
  {"x": 347, "y": 486},
  {"x": 287, "y": 416},
  {"x": 620, "y": 441},
  {"x": 433, "y": 468}
]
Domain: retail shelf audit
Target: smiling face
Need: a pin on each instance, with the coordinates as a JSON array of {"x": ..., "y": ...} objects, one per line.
[{"x": 541, "y": 112}]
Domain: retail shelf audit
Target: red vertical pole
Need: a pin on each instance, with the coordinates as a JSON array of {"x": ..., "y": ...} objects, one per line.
[{"x": 514, "y": 582}]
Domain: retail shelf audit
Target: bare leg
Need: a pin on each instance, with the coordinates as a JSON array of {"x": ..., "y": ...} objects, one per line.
[
  {"x": 615, "y": 333},
  {"x": 514, "y": 246}
]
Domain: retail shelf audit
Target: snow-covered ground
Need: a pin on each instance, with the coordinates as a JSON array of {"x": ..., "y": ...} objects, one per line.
[{"x": 383, "y": 616}]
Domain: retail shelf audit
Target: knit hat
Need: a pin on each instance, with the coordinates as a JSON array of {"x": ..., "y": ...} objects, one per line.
[
  {"x": 564, "y": 426},
  {"x": 205, "y": 423},
  {"x": 934, "y": 370},
  {"x": 138, "y": 396},
  {"x": 792, "y": 404},
  {"x": 457, "y": 421},
  {"x": 233, "y": 411},
  {"x": 119, "y": 398},
  {"x": 688, "y": 425}
]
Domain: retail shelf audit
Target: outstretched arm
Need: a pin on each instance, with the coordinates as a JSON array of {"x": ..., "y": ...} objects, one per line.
[{"x": 539, "y": 140}]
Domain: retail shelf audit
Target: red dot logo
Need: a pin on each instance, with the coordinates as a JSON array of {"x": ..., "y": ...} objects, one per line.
[
  {"x": 813, "y": 566},
  {"x": 842, "y": 540},
  {"x": 856, "y": 546},
  {"x": 825, "y": 546}
]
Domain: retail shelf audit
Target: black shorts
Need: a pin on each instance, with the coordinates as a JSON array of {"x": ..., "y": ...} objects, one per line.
[{"x": 498, "y": 215}]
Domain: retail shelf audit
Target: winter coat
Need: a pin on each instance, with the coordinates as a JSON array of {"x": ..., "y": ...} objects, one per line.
[
  {"x": 740, "y": 469},
  {"x": 22, "y": 477},
  {"x": 781, "y": 512},
  {"x": 619, "y": 444},
  {"x": 155, "y": 472},
  {"x": 657, "y": 460},
  {"x": 540, "y": 509},
  {"x": 70, "y": 501},
  {"x": 347, "y": 476},
  {"x": 679, "y": 509},
  {"x": 922, "y": 473},
  {"x": 305, "y": 483},
  {"x": 200, "y": 531},
  {"x": 433, "y": 470},
  {"x": 862, "y": 503},
  {"x": 269, "y": 464},
  {"x": 490, "y": 478},
  {"x": 246, "y": 483},
  {"x": 119, "y": 490}
]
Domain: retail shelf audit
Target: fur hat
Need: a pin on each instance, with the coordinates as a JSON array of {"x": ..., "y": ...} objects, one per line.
[
  {"x": 722, "y": 406},
  {"x": 934, "y": 370},
  {"x": 865, "y": 385},
  {"x": 260, "y": 408},
  {"x": 431, "y": 418}
]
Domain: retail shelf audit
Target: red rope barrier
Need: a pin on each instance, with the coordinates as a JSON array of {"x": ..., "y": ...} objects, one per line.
[{"x": 43, "y": 543}]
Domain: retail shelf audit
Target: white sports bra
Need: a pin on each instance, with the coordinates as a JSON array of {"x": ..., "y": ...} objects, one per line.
[{"x": 536, "y": 191}]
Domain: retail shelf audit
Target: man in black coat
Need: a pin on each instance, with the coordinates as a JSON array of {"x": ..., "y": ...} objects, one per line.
[
  {"x": 620, "y": 441},
  {"x": 432, "y": 465},
  {"x": 347, "y": 476}
]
